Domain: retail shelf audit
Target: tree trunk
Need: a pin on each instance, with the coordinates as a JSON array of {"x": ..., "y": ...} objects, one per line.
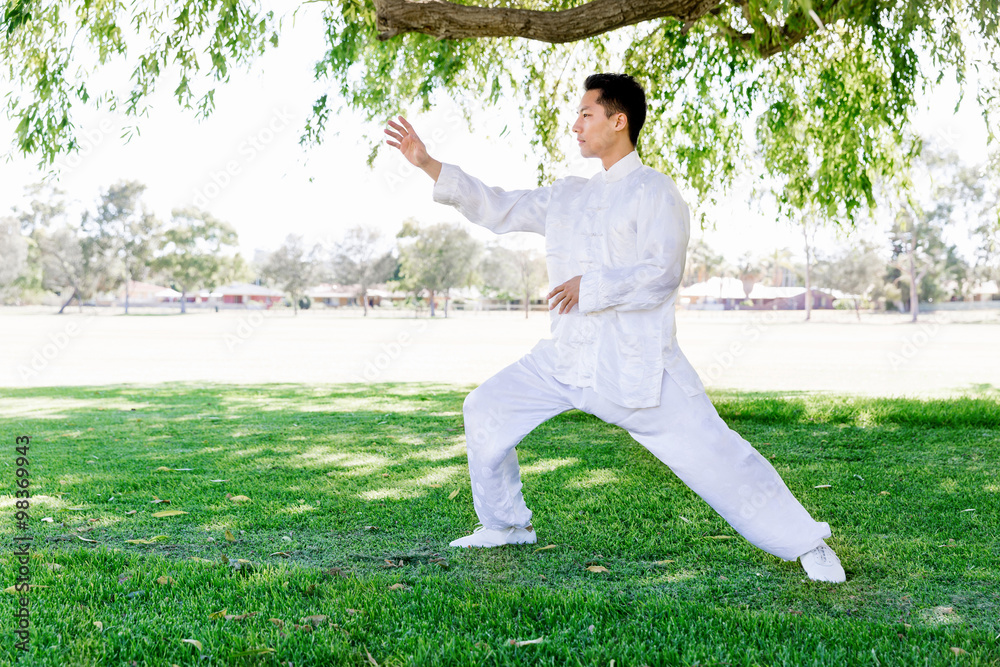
[
  {"x": 364, "y": 299},
  {"x": 432, "y": 302},
  {"x": 857, "y": 308},
  {"x": 70, "y": 300},
  {"x": 447, "y": 293},
  {"x": 527, "y": 303},
  {"x": 808, "y": 295},
  {"x": 183, "y": 302},
  {"x": 127, "y": 281}
]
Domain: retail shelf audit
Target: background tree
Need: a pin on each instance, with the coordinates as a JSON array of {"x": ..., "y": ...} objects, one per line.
[
  {"x": 937, "y": 192},
  {"x": 292, "y": 268},
  {"x": 73, "y": 263},
  {"x": 851, "y": 69},
  {"x": 856, "y": 270},
  {"x": 125, "y": 232},
  {"x": 197, "y": 250},
  {"x": 986, "y": 231},
  {"x": 437, "y": 258},
  {"x": 778, "y": 267},
  {"x": 14, "y": 253},
  {"x": 507, "y": 272},
  {"x": 702, "y": 263},
  {"x": 360, "y": 259}
]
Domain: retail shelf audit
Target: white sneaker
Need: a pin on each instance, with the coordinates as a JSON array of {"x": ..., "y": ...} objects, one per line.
[
  {"x": 821, "y": 564},
  {"x": 495, "y": 537}
]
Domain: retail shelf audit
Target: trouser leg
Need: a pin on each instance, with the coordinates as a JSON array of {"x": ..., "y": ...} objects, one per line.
[
  {"x": 498, "y": 414},
  {"x": 687, "y": 434}
]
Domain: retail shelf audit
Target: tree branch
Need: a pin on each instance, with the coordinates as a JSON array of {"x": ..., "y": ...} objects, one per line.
[{"x": 447, "y": 20}]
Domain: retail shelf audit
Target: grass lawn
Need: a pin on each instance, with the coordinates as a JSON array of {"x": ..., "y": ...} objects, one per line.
[{"x": 338, "y": 554}]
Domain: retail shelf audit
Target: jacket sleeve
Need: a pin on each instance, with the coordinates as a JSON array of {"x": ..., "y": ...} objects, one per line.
[
  {"x": 662, "y": 233},
  {"x": 493, "y": 208}
]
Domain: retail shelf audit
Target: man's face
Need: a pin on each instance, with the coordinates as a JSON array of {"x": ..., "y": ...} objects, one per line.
[{"x": 595, "y": 132}]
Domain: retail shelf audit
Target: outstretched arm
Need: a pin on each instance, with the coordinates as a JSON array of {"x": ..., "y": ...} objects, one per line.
[
  {"x": 495, "y": 209},
  {"x": 412, "y": 148}
]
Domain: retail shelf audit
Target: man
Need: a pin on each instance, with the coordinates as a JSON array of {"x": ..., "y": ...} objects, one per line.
[{"x": 615, "y": 250}]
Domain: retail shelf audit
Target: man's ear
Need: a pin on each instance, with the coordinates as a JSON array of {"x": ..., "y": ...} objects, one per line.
[{"x": 621, "y": 122}]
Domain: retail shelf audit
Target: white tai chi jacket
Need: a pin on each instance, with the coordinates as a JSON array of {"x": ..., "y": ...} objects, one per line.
[{"x": 625, "y": 231}]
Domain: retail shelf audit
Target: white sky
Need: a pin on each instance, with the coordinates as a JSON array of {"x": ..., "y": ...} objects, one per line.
[{"x": 245, "y": 165}]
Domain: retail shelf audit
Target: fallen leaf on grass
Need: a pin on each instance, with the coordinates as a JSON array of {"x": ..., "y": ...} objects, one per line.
[
  {"x": 239, "y": 617},
  {"x": 152, "y": 540},
  {"x": 795, "y": 611},
  {"x": 959, "y": 651},
  {"x": 99, "y": 625},
  {"x": 168, "y": 513},
  {"x": 662, "y": 562},
  {"x": 237, "y": 499},
  {"x": 823, "y": 486},
  {"x": 122, "y": 578},
  {"x": 79, "y": 537},
  {"x": 453, "y": 494},
  {"x": 217, "y": 614},
  {"x": 229, "y": 536},
  {"x": 198, "y": 559},
  {"x": 351, "y": 612},
  {"x": 971, "y": 509},
  {"x": 597, "y": 568},
  {"x": 55, "y": 567},
  {"x": 884, "y": 493},
  {"x": 685, "y": 519},
  {"x": 514, "y": 642},
  {"x": 193, "y": 642},
  {"x": 439, "y": 561},
  {"x": 156, "y": 500},
  {"x": 719, "y": 537},
  {"x": 399, "y": 587},
  {"x": 546, "y": 547},
  {"x": 336, "y": 572},
  {"x": 13, "y": 589},
  {"x": 49, "y": 519},
  {"x": 218, "y": 480},
  {"x": 278, "y": 622},
  {"x": 283, "y": 554},
  {"x": 314, "y": 620},
  {"x": 163, "y": 469},
  {"x": 165, "y": 580},
  {"x": 371, "y": 660},
  {"x": 434, "y": 486}
]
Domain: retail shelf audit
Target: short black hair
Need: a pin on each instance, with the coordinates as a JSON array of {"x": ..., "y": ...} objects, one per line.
[{"x": 620, "y": 93}]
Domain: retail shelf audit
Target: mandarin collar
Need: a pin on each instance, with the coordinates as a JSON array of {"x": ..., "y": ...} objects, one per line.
[{"x": 622, "y": 168}]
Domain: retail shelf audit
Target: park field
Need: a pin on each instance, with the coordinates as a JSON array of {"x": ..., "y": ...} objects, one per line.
[{"x": 308, "y": 524}]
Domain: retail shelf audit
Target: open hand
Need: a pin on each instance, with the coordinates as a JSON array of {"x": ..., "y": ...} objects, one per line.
[
  {"x": 407, "y": 141},
  {"x": 566, "y": 295}
]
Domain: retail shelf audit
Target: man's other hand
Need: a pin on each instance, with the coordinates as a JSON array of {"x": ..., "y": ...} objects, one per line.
[
  {"x": 566, "y": 295},
  {"x": 409, "y": 144}
]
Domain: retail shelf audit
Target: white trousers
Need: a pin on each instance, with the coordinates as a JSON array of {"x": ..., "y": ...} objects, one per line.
[{"x": 685, "y": 432}]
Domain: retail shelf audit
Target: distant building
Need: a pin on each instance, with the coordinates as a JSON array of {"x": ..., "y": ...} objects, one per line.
[
  {"x": 247, "y": 294},
  {"x": 986, "y": 291},
  {"x": 730, "y": 294}
]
